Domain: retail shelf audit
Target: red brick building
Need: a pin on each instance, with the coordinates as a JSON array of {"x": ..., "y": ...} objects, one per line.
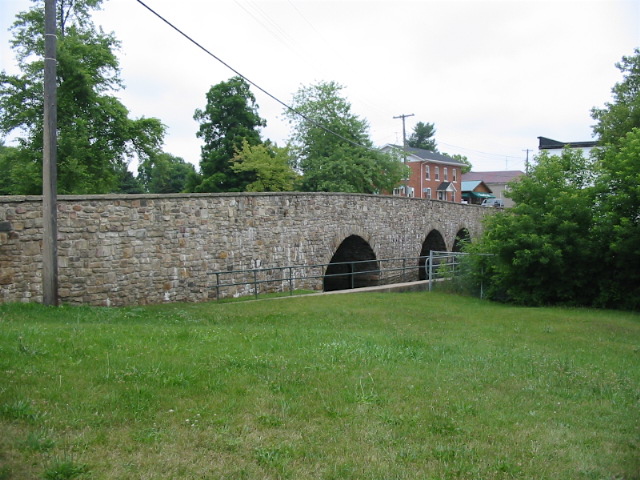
[{"x": 433, "y": 175}]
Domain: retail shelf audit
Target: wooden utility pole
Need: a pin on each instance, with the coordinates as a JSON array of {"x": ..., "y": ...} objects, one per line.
[
  {"x": 49, "y": 169},
  {"x": 526, "y": 163},
  {"x": 404, "y": 147},
  {"x": 404, "y": 131}
]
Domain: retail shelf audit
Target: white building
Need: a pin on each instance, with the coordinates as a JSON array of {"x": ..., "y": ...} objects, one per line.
[{"x": 555, "y": 147}]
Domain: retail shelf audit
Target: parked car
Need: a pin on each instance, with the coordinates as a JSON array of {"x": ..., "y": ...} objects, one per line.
[{"x": 493, "y": 202}]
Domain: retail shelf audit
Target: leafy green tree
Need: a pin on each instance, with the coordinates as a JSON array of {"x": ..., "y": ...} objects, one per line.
[
  {"x": 461, "y": 158},
  {"x": 617, "y": 207},
  {"x": 574, "y": 235},
  {"x": 332, "y": 145},
  {"x": 96, "y": 138},
  {"x": 543, "y": 250},
  {"x": 229, "y": 118},
  {"x": 617, "y": 119},
  {"x": 422, "y": 137},
  {"x": 617, "y": 222},
  {"x": 165, "y": 173},
  {"x": 270, "y": 165}
]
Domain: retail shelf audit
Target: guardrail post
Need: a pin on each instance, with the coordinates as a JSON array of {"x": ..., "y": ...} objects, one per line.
[
  {"x": 290, "y": 280},
  {"x": 430, "y": 269},
  {"x": 255, "y": 282},
  {"x": 353, "y": 281}
]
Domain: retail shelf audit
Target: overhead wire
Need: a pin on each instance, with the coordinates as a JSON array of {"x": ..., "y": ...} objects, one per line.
[{"x": 273, "y": 97}]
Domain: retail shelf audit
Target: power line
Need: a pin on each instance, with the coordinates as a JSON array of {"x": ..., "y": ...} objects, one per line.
[
  {"x": 482, "y": 153},
  {"x": 273, "y": 97}
]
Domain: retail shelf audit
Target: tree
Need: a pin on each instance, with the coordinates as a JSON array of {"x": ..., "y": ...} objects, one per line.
[
  {"x": 617, "y": 119},
  {"x": 270, "y": 165},
  {"x": 332, "y": 147},
  {"x": 96, "y": 138},
  {"x": 617, "y": 222},
  {"x": 422, "y": 137},
  {"x": 461, "y": 158},
  {"x": 165, "y": 173},
  {"x": 617, "y": 207},
  {"x": 542, "y": 248},
  {"x": 229, "y": 118},
  {"x": 574, "y": 235}
]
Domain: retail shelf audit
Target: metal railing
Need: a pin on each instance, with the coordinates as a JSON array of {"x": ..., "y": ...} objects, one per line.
[{"x": 351, "y": 274}]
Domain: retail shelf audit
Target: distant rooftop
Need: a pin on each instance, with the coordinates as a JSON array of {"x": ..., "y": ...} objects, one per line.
[
  {"x": 503, "y": 176},
  {"x": 428, "y": 155},
  {"x": 549, "y": 144}
]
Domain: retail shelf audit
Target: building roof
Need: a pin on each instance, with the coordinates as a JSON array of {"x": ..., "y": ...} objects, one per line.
[
  {"x": 504, "y": 176},
  {"x": 447, "y": 187},
  {"x": 549, "y": 144},
  {"x": 428, "y": 155},
  {"x": 470, "y": 186}
]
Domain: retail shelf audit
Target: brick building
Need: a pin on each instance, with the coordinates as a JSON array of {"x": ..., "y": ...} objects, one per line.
[{"x": 433, "y": 175}]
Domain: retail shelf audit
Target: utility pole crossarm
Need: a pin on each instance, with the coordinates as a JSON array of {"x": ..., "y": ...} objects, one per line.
[{"x": 404, "y": 132}]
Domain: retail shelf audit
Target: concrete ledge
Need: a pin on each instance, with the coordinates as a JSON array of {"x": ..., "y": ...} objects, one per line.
[{"x": 419, "y": 286}]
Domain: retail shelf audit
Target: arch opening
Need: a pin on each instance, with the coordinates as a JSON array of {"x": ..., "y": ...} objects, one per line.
[
  {"x": 435, "y": 242},
  {"x": 343, "y": 273},
  {"x": 462, "y": 238}
]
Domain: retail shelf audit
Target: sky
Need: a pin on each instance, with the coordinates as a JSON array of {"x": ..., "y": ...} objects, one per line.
[{"x": 491, "y": 75}]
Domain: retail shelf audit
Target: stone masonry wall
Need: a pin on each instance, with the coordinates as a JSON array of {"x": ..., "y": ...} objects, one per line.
[{"x": 139, "y": 249}]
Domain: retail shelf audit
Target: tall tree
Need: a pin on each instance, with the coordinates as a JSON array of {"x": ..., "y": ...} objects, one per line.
[
  {"x": 617, "y": 119},
  {"x": 96, "y": 137},
  {"x": 617, "y": 217},
  {"x": 617, "y": 222},
  {"x": 229, "y": 118},
  {"x": 332, "y": 147},
  {"x": 422, "y": 137}
]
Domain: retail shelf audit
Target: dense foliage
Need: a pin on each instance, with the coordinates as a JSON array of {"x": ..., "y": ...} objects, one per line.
[
  {"x": 164, "y": 173},
  {"x": 270, "y": 165},
  {"x": 422, "y": 137},
  {"x": 96, "y": 137},
  {"x": 574, "y": 235},
  {"x": 229, "y": 119},
  {"x": 332, "y": 147}
]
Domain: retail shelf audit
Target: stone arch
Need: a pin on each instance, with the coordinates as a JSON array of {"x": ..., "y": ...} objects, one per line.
[
  {"x": 343, "y": 273},
  {"x": 434, "y": 241},
  {"x": 462, "y": 238}
]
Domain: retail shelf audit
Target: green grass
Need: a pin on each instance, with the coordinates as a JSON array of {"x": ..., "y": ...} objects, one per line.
[{"x": 358, "y": 386}]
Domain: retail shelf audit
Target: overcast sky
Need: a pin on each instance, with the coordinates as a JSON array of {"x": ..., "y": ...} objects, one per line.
[{"x": 491, "y": 75}]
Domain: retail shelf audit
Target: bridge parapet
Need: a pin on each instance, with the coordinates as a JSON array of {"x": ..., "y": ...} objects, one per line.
[{"x": 138, "y": 249}]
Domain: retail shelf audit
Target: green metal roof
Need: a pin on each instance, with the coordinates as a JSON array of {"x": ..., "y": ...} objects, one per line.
[{"x": 478, "y": 195}]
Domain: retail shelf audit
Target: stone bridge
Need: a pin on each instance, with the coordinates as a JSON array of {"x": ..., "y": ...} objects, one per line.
[{"x": 140, "y": 249}]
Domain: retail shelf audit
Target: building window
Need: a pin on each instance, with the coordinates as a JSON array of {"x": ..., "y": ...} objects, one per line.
[
  {"x": 455, "y": 175},
  {"x": 446, "y": 174},
  {"x": 427, "y": 193},
  {"x": 427, "y": 172},
  {"x": 437, "y": 173},
  {"x": 404, "y": 191}
]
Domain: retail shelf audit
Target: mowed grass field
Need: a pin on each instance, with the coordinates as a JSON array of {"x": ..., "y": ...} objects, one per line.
[{"x": 357, "y": 386}]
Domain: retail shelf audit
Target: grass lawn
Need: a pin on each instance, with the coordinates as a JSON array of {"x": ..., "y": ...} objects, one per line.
[{"x": 358, "y": 386}]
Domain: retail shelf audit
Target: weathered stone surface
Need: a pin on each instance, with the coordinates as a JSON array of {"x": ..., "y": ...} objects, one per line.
[{"x": 138, "y": 249}]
